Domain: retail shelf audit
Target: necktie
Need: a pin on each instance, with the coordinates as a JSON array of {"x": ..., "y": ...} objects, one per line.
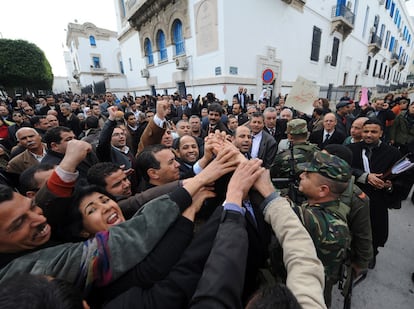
[
  {"x": 366, "y": 156},
  {"x": 272, "y": 132},
  {"x": 327, "y": 136},
  {"x": 248, "y": 206},
  {"x": 368, "y": 152}
]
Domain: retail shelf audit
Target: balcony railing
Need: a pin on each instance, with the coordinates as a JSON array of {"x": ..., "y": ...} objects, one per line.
[
  {"x": 163, "y": 54},
  {"x": 375, "y": 39},
  {"x": 98, "y": 70},
  {"x": 343, "y": 11}
]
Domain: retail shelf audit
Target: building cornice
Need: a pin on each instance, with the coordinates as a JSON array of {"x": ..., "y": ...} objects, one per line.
[{"x": 146, "y": 11}]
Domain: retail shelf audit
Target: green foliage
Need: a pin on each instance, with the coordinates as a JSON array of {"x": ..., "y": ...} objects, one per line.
[{"x": 24, "y": 65}]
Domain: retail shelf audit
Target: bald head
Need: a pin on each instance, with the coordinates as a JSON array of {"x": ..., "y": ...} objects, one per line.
[
  {"x": 356, "y": 129},
  {"x": 329, "y": 122}
]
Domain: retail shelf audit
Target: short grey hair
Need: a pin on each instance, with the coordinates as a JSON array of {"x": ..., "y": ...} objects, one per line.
[
  {"x": 65, "y": 106},
  {"x": 269, "y": 110},
  {"x": 25, "y": 128}
]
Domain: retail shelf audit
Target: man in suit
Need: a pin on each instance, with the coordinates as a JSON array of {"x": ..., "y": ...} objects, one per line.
[
  {"x": 329, "y": 134},
  {"x": 371, "y": 159},
  {"x": 264, "y": 145},
  {"x": 50, "y": 104},
  {"x": 241, "y": 99},
  {"x": 240, "y": 116},
  {"x": 215, "y": 111},
  {"x": 193, "y": 107},
  {"x": 182, "y": 108},
  {"x": 34, "y": 153},
  {"x": 274, "y": 126}
]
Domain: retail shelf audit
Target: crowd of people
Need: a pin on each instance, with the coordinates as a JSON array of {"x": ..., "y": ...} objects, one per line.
[{"x": 180, "y": 202}]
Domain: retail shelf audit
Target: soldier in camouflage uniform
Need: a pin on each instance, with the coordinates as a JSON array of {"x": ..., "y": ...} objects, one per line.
[
  {"x": 322, "y": 181},
  {"x": 303, "y": 151},
  {"x": 359, "y": 220}
]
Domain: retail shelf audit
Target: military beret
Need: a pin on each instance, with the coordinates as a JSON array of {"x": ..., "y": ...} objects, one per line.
[
  {"x": 329, "y": 166},
  {"x": 297, "y": 126},
  {"x": 342, "y": 104}
]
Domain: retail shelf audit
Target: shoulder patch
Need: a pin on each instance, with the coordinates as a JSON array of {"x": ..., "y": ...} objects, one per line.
[{"x": 362, "y": 195}]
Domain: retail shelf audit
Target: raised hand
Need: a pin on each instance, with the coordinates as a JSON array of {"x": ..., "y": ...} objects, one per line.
[
  {"x": 162, "y": 109},
  {"x": 243, "y": 179},
  {"x": 198, "y": 200},
  {"x": 76, "y": 152},
  {"x": 112, "y": 112}
]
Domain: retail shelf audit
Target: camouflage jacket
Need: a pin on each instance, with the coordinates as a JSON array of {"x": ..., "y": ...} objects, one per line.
[
  {"x": 327, "y": 225},
  {"x": 359, "y": 223},
  {"x": 302, "y": 152}
]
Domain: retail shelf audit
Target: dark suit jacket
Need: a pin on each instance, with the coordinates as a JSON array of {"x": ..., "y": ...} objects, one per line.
[
  {"x": 73, "y": 123},
  {"x": 220, "y": 126},
  {"x": 195, "y": 108},
  {"x": 383, "y": 157},
  {"x": 267, "y": 149},
  {"x": 242, "y": 118},
  {"x": 280, "y": 130},
  {"x": 244, "y": 104},
  {"x": 317, "y": 138},
  {"x": 55, "y": 158},
  {"x": 186, "y": 171}
]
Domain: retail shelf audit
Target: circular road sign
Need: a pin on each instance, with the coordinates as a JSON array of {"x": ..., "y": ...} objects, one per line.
[{"x": 268, "y": 76}]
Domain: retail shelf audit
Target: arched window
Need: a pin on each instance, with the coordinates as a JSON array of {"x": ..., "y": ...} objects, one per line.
[
  {"x": 161, "y": 45},
  {"x": 178, "y": 37},
  {"x": 148, "y": 51},
  {"x": 92, "y": 40}
]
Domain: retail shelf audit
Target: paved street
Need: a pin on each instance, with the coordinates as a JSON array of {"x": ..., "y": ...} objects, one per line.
[{"x": 389, "y": 285}]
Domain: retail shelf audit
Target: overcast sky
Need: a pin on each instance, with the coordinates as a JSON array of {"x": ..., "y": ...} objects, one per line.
[{"x": 44, "y": 22}]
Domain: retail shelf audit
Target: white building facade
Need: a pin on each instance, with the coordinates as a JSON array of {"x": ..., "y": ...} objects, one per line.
[
  {"x": 93, "y": 61},
  {"x": 200, "y": 46}
]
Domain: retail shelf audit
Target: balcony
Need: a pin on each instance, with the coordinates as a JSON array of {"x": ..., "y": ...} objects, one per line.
[
  {"x": 97, "y": 70},
  {"x": 375, "y": 44},
  {"x": 401, "y": 64},
  {"x": 297, "y": 4},
  {"x": 342, "y": 20},
  {"x": 394, "y": 59}
]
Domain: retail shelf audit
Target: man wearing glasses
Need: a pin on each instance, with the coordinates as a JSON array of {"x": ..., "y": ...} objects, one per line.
[{"x": 28, "y": 111}]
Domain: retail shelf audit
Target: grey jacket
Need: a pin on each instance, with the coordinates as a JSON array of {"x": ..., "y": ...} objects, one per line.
[{"x": 107, "y": 256}]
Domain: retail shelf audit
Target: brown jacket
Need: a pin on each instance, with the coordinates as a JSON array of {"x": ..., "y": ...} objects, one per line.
[{"x": 21, "y": 162}]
